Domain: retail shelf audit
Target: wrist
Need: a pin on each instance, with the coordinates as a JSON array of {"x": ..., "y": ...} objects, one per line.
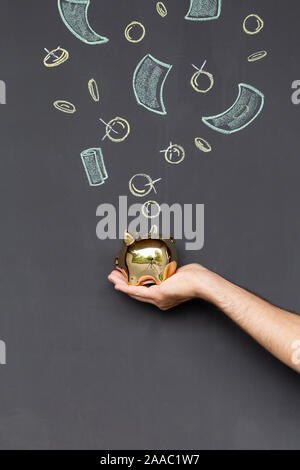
[{"x": 214, "y": 289}]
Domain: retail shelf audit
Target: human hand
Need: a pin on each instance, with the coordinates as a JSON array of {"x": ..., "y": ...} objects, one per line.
[{"x": 190, "y": 281}]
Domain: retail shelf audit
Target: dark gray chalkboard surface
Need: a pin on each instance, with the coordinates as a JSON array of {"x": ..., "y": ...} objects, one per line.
[{"x": 88, "y": 367}]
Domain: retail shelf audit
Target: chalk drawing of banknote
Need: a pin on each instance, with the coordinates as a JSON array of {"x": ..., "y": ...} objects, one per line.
[
  {"x": 74, "y": 14},
  {"x": 202, "y": 10},
  {"x": 93, "y": 164},
  {"x": 148, "y": 83},
  {"x": 244, "y": 110}
]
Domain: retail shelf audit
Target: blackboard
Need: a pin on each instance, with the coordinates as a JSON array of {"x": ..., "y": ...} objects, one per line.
[{"x": 91, "y": 368}]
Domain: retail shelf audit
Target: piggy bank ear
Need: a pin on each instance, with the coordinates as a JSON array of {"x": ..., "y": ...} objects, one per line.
[{"x": 128, "y": 238}]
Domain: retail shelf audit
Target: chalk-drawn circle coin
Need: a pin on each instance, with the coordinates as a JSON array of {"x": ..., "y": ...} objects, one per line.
[
  {"x": 161, "y": 9},
  {"x": 256, "y": 56},
  {"x": 64, "y": 106},
  {"x": 93, "y": 89},
  {"x": 121, "y": 127},
  {"x": 174, "y": 150},
  {"x": 135, "y": 32},
  {"x": 140, "y": 192},
  {"x": 202, "y": 144},
  {"x": 250, "y": 18},
  {"x": 195, "y": 84},
  {"x": 56, "y": 57},
  {"x": 145, "y": 209}
]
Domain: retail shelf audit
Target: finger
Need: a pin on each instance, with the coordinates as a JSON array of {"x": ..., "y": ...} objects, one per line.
[
  {"x": 116, "y": 276},
  {"x": 121, "y": 284},
  {"x": 153, "y": 302},
  {"x": 142, "y": 299},
  {"x": 124, "y": 288},
  {"x": 139, "y": 291},
  {"x": 151, "y": 294}
]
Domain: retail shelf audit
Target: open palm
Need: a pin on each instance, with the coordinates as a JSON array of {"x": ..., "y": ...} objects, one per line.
[{"x": 188, "y": 282}]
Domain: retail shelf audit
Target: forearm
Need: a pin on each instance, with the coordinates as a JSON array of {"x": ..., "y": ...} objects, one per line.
[{"x": 275, "y": 329}]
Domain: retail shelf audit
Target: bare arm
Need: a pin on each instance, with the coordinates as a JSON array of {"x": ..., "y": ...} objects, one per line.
[{"x": 275, "y": 329}]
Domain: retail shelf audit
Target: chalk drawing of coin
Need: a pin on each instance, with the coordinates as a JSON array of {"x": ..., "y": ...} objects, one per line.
[
  {"x": 121, "y": 129},
  {"x": 174, "y": 154},
  {"x": 161, "y": 9},
  {"x": 93, "y": 89},
  {"x": 257, "y": 56},
  {"x": 64, "y": 106},
  {"x": 202, "y": 81},
  {"x": 202, "y": 144},
  {"x": 150, "y": 209},
  {"x": 138, "y": 183},
  {"x": 135, "y": 32},
  {"x": 56, "y": 57},
  {"x": 253, "y": 24}
]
